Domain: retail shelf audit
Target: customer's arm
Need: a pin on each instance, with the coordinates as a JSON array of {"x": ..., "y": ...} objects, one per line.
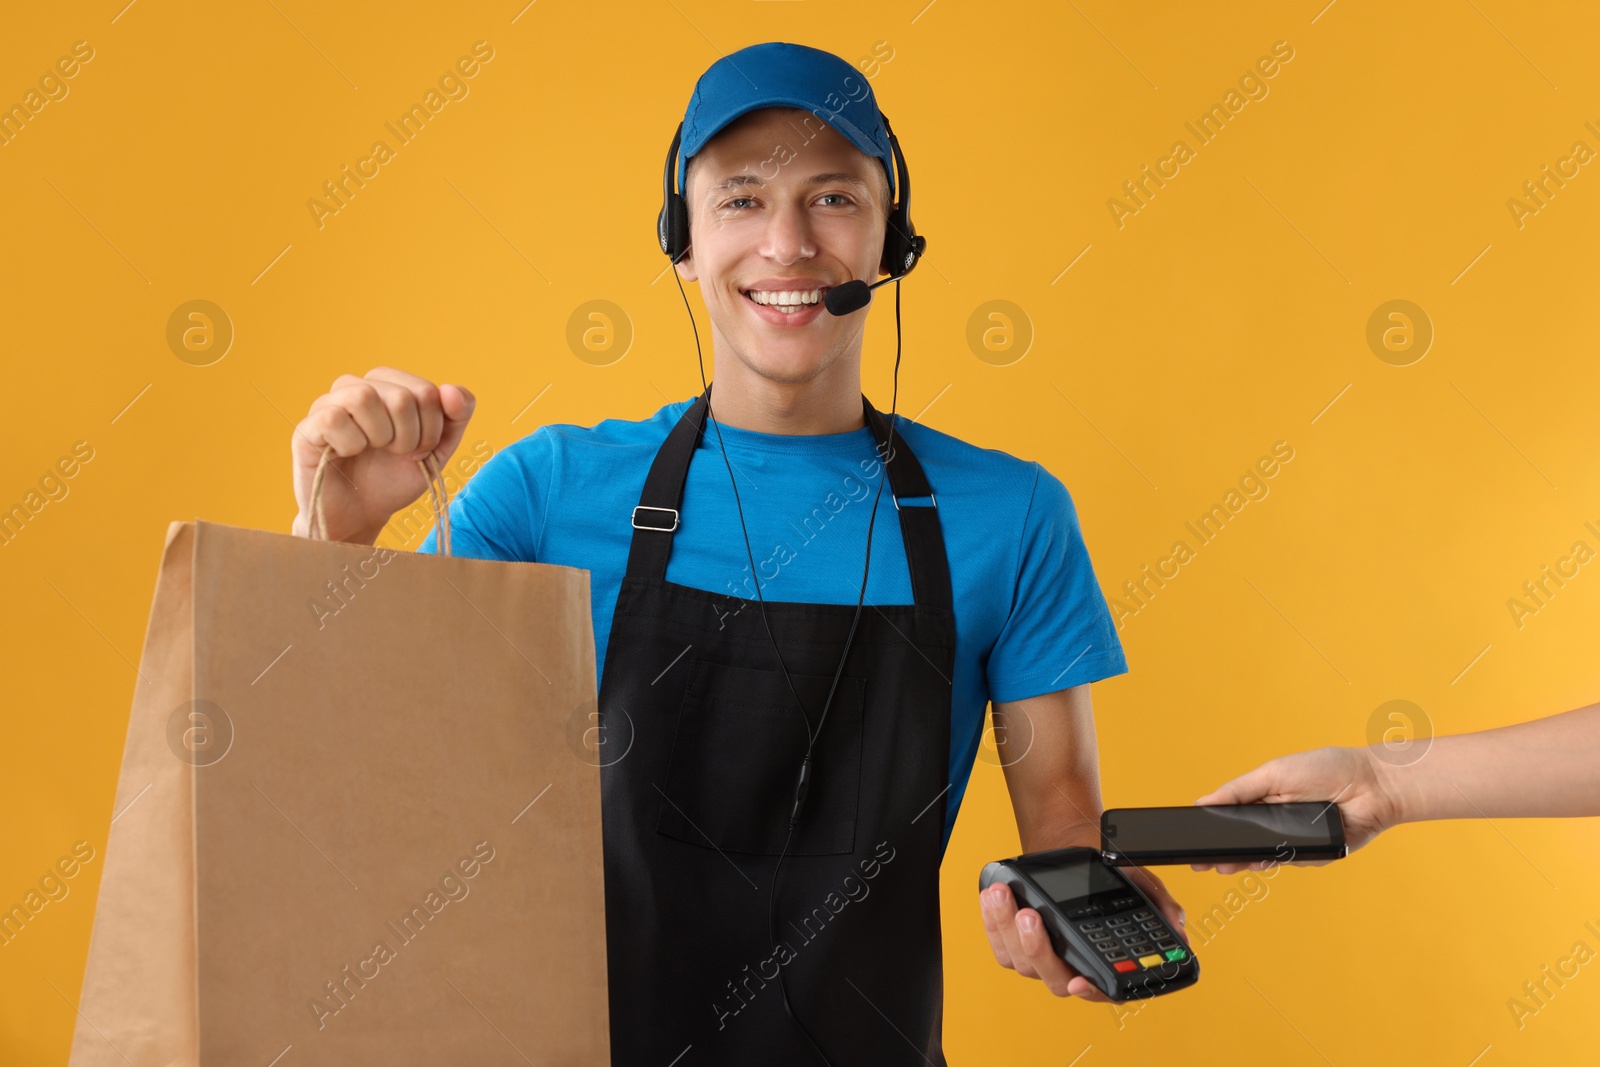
[{"x": 1548, "y": 767}]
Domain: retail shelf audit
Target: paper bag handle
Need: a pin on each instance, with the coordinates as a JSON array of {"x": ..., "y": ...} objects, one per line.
[{"x": 438, "y": 497}]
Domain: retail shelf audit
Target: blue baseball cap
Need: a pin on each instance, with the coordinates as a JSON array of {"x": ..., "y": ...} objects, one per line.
[{"x": 779, "y": 74}]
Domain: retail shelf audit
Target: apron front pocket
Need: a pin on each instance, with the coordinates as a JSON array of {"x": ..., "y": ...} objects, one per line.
[{"x": 736, "y": 760}]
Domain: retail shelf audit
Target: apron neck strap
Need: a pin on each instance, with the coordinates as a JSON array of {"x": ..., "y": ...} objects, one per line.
[{"x": 658, "y": 513}]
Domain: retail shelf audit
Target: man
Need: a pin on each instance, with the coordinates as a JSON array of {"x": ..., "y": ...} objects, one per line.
[{"x": 738, "y": 931}]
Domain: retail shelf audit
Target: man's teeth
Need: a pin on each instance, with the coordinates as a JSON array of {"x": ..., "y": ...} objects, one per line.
[{"x": 787, "y": 302}]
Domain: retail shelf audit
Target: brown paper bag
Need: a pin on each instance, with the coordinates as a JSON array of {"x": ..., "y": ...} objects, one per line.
[{"x": 356, "y": 822}]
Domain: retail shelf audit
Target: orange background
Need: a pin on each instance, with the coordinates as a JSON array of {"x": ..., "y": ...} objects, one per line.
[{"x": 1167, "y": 354}]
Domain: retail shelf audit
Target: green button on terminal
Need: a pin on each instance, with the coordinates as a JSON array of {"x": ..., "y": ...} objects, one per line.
[{"x": 1176, "y": 954}]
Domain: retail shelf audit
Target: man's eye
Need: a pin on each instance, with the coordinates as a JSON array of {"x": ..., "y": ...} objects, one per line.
[{"x": 735, "y": 203}]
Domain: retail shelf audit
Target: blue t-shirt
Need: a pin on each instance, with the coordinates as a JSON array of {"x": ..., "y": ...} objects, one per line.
[{"x": 1030, "y": 617}]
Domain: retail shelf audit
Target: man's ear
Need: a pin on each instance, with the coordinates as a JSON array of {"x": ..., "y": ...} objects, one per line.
[{"x": 686, "y": 268}]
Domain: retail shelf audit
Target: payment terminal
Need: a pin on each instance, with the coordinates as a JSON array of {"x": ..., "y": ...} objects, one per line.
[{"x": 1099, "y": 921}]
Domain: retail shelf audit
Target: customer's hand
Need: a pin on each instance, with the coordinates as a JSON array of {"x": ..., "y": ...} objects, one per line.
[
  {"x": 1021, "y": 943},
  {"x": 1353, "y": 777},
  {"x": 379, "y": 426}
]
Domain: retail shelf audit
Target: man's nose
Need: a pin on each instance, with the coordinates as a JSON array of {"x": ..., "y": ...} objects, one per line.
[{"x": 789, "y": 234}]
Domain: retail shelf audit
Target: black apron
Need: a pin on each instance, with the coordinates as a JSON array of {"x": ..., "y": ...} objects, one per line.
[{"x": 701, "y": 749}]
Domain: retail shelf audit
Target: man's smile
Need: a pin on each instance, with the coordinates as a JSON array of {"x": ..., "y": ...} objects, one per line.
[{"x": 787, "y": 301}]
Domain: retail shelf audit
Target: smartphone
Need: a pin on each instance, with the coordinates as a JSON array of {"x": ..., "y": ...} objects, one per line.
[
  {"x": 1099, "y": 921},
  {"x": 1223, "y": 833}
]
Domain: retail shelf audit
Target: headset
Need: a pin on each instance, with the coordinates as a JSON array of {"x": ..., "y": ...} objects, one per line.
[
  {"x": 901, "y": 245},
  {"x": 902, "y": 248}
]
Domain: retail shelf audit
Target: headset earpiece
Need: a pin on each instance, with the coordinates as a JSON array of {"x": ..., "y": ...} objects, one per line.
[
  {"x": 901, "y": 245},
  {"x": 672, "y": 225}
]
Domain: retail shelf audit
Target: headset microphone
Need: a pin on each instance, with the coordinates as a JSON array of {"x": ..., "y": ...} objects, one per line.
[{"x": 854, "y": 295}]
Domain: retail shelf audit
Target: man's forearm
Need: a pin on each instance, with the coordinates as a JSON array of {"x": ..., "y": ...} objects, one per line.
[
  {"x": 1063, "y": 837},
  {"x": 1067, "y": 815},
  {"x": 1047, "y": 748}
]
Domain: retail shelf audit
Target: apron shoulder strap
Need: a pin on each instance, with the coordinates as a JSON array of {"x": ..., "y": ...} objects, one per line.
[
  {"x": 920, "y": 528},
  {"x": 657, "y": 516}
]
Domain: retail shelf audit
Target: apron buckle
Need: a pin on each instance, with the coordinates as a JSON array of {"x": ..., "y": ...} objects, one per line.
[{"x": 648, "y": 526}]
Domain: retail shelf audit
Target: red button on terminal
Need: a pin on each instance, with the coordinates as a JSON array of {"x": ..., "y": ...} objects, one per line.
[{"x": 1124, "y": 966}]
